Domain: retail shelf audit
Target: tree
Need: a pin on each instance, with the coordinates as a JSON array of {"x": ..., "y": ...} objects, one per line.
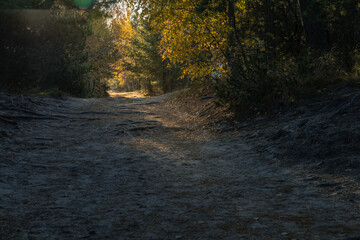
[
  {"x": 141, "y": 66},
  {"x": 102, "y": 54},
  {"x": 55, "y": 46},
  {"x": 195, "y": 41}
]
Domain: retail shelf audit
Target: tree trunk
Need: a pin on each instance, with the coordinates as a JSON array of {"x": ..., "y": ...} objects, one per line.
[
  {"x": 268, "y": 23},
  {"x": 234, "y": 45},
  {"x": 315, "y": 30}
]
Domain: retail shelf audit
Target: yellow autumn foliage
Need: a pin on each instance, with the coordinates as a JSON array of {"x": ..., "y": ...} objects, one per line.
[
  {"x": 192, "y": 40},
  {"x": 124, "y": 33}
]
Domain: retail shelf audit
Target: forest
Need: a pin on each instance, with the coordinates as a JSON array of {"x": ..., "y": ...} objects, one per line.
[{"x": 247, "y": 53}]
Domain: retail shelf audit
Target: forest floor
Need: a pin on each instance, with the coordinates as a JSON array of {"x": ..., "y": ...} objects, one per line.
[{"x": 129, "y": 167}]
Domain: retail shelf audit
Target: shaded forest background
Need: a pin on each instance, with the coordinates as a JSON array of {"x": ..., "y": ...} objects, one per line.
[{"x": 248, "y": 53}]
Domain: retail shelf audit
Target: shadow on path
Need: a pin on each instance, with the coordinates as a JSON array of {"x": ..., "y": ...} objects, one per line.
[{"x": 115, "y": 168}]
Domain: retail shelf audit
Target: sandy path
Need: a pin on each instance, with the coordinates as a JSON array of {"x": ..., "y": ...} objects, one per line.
[{"x": 117, "y": 168}]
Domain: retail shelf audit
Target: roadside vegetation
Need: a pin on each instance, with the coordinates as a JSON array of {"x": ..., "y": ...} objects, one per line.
[{"x": 246, "y": 53}]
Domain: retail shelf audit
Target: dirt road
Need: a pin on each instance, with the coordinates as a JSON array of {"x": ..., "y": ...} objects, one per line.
[{"x": 118, "y": 168}]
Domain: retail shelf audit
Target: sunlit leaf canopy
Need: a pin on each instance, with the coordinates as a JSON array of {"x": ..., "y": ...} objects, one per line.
[{"x": 207, "y": 37}]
